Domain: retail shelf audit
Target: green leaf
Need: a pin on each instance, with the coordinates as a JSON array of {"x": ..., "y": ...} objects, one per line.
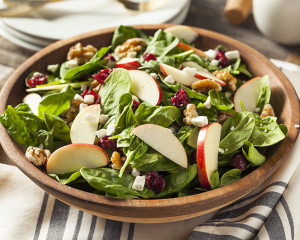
[
  {"x": 65, "y": 178},
  {"x": 149, "y": 157},
  {"x": 209, "y": 113},
  {"x": 56, "y": 103},
  {"x": 46, "y": 139},
  {"x": 265, "y": 93},
  {"x": 214, "y": 180},
  {"x": 219, "y": 100},
  {"x": 243, "y": 69},
  {"x": 113, "y": 88},
  {"x": 57, "y": 127},
  {"x": 230, "y": 177},
  {"x": 252, "y": 155}
]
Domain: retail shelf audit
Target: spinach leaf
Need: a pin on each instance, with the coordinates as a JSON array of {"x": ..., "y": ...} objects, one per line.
[
  {"x": 162, "y": 164},
  {"x": 149, "y": 157},
  {"x": 122, "y": 33},
  {"x": 230, "y": 177},
  {"x": 56, "y": 103},
  {"x": 184, "y": 133},
  {"x": 113, "y": 88},
  {"x": 243, "y": 69},
  {"x": 242, "y": 124},
  {"x": 214, "y": 180},
  {"x": 219, "y": 100},
  {"x": 57, "y": 127},
  {"x": 163, "y": 116},
  {"x": 191, "y": 189},
  {"x": 211, "y": 114},
  {"x": 176, "y": 181},
  {"x": 154, "y": 66},
  {"x": 54, "y": 76},
  {"x": 253, "y": 156},
  {"x": 21, "y": 124},
  {"x": 65, "y": 178},
  {"x": 46, "y": 139},
  {"x": 265, "y": 93},
  {"x": 108, "y": 180},
  {"x": 125, "y": 138}
]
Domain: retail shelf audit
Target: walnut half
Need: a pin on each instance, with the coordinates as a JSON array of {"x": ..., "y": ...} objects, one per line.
[
  {"x": 37, "y": 155},
  {"x": 267, "y": 111},
  {"x": 204, "y": 85},
  {"x": 131, "y": 45},
  {"x": 189, "y": 113},
  {"x": 227, "y": 78},
  {"x": 81, "y": 54}
]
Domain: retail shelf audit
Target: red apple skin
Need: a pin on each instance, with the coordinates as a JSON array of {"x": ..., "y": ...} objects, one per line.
[
  {"x": 163, "y": 71},
  {"x": 129, "y": 65},
  {"x": 160, "y": 91},
  {"x": 187, "y": 48}
]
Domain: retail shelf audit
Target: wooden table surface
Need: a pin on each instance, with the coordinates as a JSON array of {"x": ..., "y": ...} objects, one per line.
[{"x": 207, "y": 14}]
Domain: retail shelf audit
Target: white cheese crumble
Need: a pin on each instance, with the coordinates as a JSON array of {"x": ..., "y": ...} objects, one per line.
[
  {"x": 136, "y": 98},
  {"x": 78, "y": 98},
  {"x": 297, "y": 126},
  {"x": 83, "y": 87},
  {"x": 232, "y": 128},
  {"x": 231, "y": 55},
  {"x": 36, "y": 74},
  {"x": 101, "y": 133},
  {"x": 221, "y": 150},
  {"x": 103, "y": 118},
  {"x": 131, "y": 54},
  {"x": 266, "y": 130},
  {"x": 228, "y": 94},
  {"x": 257, "y": 110},
  {"x": 211, "y": 54},
  {"x": 82, "y": 106},
  {"x": 154, "y": 75},
  {"x": 135, "y": 172},
  {"x": 169, "y": 79},
  {"x": 71, "y": 64},
  {"x": 200, "y": 121},
  {"x": 189, "y": 71},
  {"x": 52, "y": 68},
  {"x": 89, "y": 99},
  {"x": 214, "y": 62},
  {"x": 111, "y": 128},
  {"x": 207, "y": 103},
  {"x": 226, "y": 149},
  {"x": 139, "y": 183},
  {"x": 90, "y": 118}
]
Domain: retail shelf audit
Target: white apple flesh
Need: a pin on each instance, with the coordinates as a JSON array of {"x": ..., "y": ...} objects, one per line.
[
  {"x": 83, "y": 131},
  {"x": 187, "y": 48},
  {"x": 145, "y": 87},
  {"x": 201, "y": 72},
  {"x": 183, "y": 32},
  {"x": 164, "y": 141},
  {"x": 128, "y": 63},
  {"x": 33, "y": 100},
  {"x": 207, "y": 152},
  {"x": 249, "y": 93},
  {"x": 73, "y": 157}
]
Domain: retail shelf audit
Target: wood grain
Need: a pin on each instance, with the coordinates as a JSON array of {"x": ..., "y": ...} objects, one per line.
[{"x": 284, "y": 99}]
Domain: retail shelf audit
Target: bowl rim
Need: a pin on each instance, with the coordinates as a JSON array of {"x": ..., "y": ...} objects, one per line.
[{"x": 249, "y": 182}]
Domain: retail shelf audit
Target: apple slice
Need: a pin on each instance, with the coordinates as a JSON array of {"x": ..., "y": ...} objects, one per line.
[
  {"x": 202, "y": 73},
  {"x": 249, "y": 93},
  {"x": 73, "y": 157},
  {"x": 164, "y": 141},
  {"x": 145, "y": 87},
  {"x": 33, "y": 101},
  {"x": 207, "y": 152},
  {"x": 128, "y": 63},
  {"x": 178, "y": 75},
  {"x": 184, "y": 32},
  {"x": 82, "y": 130},
  {"x": 187, "y": 48}
]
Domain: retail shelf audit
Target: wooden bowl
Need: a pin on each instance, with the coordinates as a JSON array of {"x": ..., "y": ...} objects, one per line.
[{"x": 284, "y": 100}]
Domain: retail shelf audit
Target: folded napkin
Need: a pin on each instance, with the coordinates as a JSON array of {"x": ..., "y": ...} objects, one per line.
[{"x": 271, "y": 211}]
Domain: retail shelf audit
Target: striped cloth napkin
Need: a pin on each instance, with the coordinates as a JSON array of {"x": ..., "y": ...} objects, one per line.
[{"x": 272, "y": 211}]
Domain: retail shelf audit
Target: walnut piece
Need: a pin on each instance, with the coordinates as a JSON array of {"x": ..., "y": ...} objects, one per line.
[
  {"x": 204, "y": 85},
  {"x": 69, "y": 114},
  {"x": 37, "y": 155},
  {"x": 190, "y": 112},
  {"x": 81, "y": 54},
  {"x": 223, "y": 116},
  {"x": 227, "y": 78},
  {"x": 95, "y": 86},
  {"x": 131, "y": 45},
  {"x": 267, "y": 111},
  {"x": 117, "y": 161}
]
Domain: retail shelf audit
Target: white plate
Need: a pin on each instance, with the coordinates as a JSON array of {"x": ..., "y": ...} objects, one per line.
[{"x": 69, "y": 18}]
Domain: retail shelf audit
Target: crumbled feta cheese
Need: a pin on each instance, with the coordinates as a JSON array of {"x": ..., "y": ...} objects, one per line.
[
  {"x": 111, "y": 128},
  {"x": 231, "y": 55},
  {"x": 82, "y": 106},
  {"x": 189, "y": 71},
  {"x": 221, "y": 150},
  {"x": 103, "y": 118},
  {"x": 154, "y": 75},
  {"x": 36, "y": 74},
  {"x": 89, "y": 99},
  {"x": 135, "y": 172},
  {"x": 260, "y": 125},
  {"x": 207, "y": 103},
  {"x": 131, "y": 54},
  {"x": 78, "y": 98},
  {"x": 297, "y": 126},
  {"x": 139, "y": 183},
  {"x": 226, "y": 149},
  {"x": 257, "y": 110},
  {"x": 101, "y": 133},
  {"x": 266, "y": 130},
  {"x": 173, "y": 130},
  {"x": 211, "y": 54},
  {"x": 52, "y": 68},
  {"x": 200, "y": 121},
  {"x": 232, "y": 128},
  {"x": 136, "y": 98},
  {"x": 214, "y": 62},
  {"x": 83, "y": 87},
  {"x": 71, "y": 64},
  {"x": 228, "y": 94},
  {"x": 90, "y": 118},
  {"x": 169, "y": 79}
]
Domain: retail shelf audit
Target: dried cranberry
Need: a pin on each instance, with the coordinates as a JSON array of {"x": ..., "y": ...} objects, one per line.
[
  {"x": 104, "y": 142},
  {"x": 102, "y": 75},
  {"x": 37, "y": 80},
  {"x": 110, "y": 57},
  {"x": 91, "y": 92},
  {"x": 223, "y": 60},
  {"x": 155, "y": 181},
  {"x": 239, "y": 161},
  {"x": 194, "y": 158},
  {"x": 148, "y": 56},
  {"x": 135, "y": 105},
  {"x": 181, "y": 98}
]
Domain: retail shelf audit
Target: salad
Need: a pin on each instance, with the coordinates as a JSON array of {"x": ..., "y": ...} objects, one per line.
[{"x": 147, "y": 117}]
